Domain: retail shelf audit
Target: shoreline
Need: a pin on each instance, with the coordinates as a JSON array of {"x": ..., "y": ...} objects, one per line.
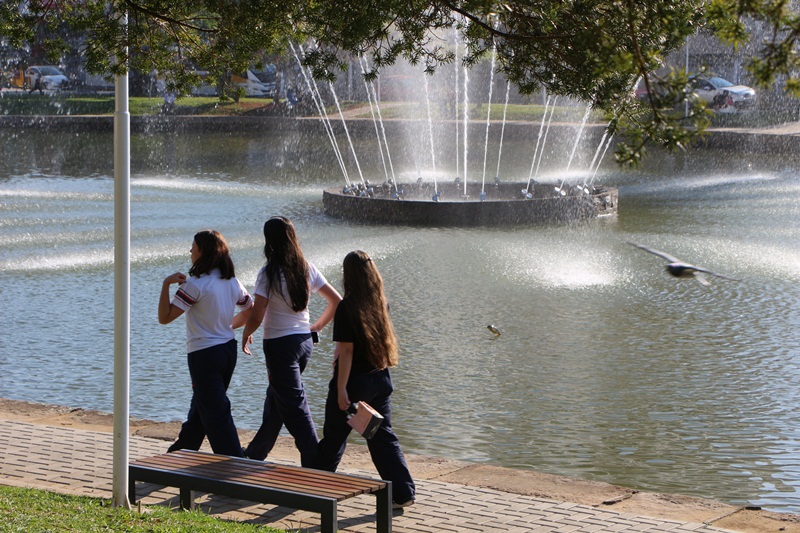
[
  {"x": 423, "y": 467},
  {"x": 767, "y": 139}
]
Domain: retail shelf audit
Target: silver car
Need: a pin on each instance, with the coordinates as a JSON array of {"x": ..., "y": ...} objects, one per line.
[
  {"x": 45, "y": 78},
  {"x": 719, "y": 93}
]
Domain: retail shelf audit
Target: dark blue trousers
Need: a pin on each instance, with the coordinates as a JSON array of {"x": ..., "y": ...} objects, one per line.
[
  {"x": 384, "y": 448},
  {"x": 211, "y": 370},
  {"x": 286, "y": 403}
]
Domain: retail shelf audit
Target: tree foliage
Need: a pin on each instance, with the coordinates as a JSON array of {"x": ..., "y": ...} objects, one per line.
[{"x": 593, "y": 50}]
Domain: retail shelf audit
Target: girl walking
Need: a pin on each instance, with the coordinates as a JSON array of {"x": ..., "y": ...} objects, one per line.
[
  {"x": 365, "y": 349},
  {"x": 209, "y": 297},
  {"x": 282, "y": 292}
]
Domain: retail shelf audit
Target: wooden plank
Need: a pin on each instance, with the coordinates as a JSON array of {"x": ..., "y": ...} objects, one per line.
[
  {"x": 243, "y": 470},
  {"x": 273, "y": 478},
  {"x": 189, "y": 482},
  {"x": 342, "y": 481},
  {"x": 208, "y": 458}
]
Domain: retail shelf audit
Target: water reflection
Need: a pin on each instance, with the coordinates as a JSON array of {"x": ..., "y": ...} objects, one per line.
[{"x": 607, "y": 368}]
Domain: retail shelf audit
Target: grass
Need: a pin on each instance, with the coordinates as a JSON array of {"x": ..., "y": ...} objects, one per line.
[
  {"x": 30, "y": 510},
  {"x": 22, "y": 103},
  {"x": 518, "y": 112},
  {"x": 16, "y": 103}
]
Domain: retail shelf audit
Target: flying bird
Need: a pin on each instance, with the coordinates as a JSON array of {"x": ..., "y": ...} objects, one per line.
[
  {"x": 493, "y": 329},
  {"x": 680, "y": 269}
]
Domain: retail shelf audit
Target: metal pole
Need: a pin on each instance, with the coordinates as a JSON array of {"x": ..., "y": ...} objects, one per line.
[{"x": 122, "y": 287}]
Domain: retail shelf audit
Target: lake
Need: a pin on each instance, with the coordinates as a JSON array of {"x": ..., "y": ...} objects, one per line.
[{"x": 606, "y": 369}]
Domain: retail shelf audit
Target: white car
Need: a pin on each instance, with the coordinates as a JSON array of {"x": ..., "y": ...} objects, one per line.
[
  {"x": 46, "y": 78},
  {"x": 252, "y": 85},
  {"x": 721, "y": 94}
]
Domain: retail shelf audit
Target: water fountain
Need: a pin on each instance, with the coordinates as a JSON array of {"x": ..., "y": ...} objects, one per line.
[
  {"x": 426, "y": 204},
  {"x": 458, "y": 201}
]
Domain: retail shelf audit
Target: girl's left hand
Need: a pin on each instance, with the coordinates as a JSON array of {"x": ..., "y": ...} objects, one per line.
[
  {"x": 344, "y": 400},
  {"x": 246, "y": 344}
]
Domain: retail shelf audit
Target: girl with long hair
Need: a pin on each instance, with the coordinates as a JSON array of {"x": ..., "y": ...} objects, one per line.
[
  {"x": 209, "y": 297},
  {"x": 282, "y": 291},
  {"x": 365, "y": 349}
]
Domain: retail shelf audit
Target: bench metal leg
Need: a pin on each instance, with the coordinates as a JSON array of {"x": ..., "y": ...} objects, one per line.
[
  {"x": 329, "y": 523},
  {"x": 187, "y": 501},
  {"x": 131, "y": 490},
  {"x": 383, "y": 513}
]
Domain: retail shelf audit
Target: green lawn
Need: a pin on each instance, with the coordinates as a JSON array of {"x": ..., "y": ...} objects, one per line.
[
  {"x": 28, "y": 510},
  {"x": 22, "y": 103},
  {"x": 43, "y": 104}
]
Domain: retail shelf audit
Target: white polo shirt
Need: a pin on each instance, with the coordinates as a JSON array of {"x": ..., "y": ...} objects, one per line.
[
  {"x": 280, "y": 320},
  {"x": 210, "y": 302}
]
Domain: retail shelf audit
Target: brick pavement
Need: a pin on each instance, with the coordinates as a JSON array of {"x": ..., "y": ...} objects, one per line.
[{"x": 78, "y": 461}]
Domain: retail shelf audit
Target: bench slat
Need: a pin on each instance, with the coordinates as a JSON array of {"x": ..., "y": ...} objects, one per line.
[
  {"x": 266, "y": 479},
  {"x": 293, "y": 478},
  {"x": 316, "y": 476}
]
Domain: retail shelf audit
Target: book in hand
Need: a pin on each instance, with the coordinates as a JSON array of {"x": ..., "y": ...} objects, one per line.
[{"x": 364, "y": 419}]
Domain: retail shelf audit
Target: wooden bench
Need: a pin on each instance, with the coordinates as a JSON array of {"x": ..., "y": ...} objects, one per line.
[{"x": 248, "y": 479}]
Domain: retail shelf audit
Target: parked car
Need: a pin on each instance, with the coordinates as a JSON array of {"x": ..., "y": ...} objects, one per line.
[
  {"x": 246, "y": 80},
  {"x": 721, "y": 94},
  {"x": 47, "y": 78},
  {"x": 253, "y": 86}
]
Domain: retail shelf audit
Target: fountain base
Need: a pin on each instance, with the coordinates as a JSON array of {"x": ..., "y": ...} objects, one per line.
[{"x": 448, "y": 204}]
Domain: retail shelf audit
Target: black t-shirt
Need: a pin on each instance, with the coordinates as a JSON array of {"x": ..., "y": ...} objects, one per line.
[{"x": 345, "y": 331}]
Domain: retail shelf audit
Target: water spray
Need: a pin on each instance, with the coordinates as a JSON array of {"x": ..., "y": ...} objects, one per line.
[
  {"x": 488, "y": 118},
  {"x": 374, "y": 118},
  {"x": 380, "y": 121},
  {"x": 430, "y": 130},
  {"x": 502, "y": 132},
  {"x": 560, "y": 188},
  {"x": 317, "y": 98}
]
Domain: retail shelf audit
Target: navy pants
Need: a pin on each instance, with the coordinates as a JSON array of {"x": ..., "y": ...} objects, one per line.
[
  {"x": 211, "y": 370},
  {"x": 286, "y": 403},
  {"x": 384, "y": 448}
]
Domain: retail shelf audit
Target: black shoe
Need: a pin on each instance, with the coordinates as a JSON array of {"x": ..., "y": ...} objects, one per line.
[{"x": 401, "y": 505}]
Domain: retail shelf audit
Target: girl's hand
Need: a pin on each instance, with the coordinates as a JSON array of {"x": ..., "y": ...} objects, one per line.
[
  {"x": 167, "y": 312},
  {"x": 344, "y": 400},
  {"x": 177, "y": 277},
  {"x": 246, "y": 344}
]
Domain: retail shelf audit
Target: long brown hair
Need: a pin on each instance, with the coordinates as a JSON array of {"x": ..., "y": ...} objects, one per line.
[
  {"x": 363, "y": 287},
  {"x": 214, "y": 253},
  {"x": 284, "y": 256}
]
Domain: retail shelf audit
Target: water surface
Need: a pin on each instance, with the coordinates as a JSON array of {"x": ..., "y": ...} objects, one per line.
[{"x": 606, "y": 369}]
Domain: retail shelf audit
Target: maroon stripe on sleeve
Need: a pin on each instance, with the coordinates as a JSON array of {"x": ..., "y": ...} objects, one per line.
[{"x": 185, "y": 298}]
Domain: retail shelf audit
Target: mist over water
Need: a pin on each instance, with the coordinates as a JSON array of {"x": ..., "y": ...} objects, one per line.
[{"x": 606, "y": 369}]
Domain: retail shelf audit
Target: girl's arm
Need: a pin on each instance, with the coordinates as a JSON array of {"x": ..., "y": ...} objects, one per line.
[
  {"x": 256, "y": 316},
  {"x": 166, "y": 311},
  {"x": 344, "y": 354},
  {"x": 330, "y": 294},
  {"x": 242, "y": 317}
]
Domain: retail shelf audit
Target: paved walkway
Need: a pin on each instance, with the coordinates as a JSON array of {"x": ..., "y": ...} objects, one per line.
[{"x": 78, "y": 461}]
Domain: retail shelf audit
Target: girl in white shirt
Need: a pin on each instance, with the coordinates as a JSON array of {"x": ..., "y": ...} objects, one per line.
[
  {"x": 209, "y": 297},
  {"x": 282, "y": 292}
]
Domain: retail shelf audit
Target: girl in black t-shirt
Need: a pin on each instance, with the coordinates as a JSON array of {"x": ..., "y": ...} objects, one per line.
[{"x": 365, "y": 349}]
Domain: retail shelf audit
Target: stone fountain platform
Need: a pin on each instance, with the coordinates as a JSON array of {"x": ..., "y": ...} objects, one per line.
[{"x": 505, "y": 204}]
